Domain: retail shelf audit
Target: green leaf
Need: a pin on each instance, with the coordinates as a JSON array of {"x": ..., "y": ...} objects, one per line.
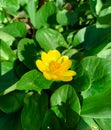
[
  {"x": 105, "y": 52},
  {"x": 87, "y": 37},
  {"x": 31, "y": 11},
  {"x": 34, "y": 111},
  {"x": 65, "y": 104},
  {"x": 8, "y": 76},
  {"x": 6, "y": 38},
  {"x": 105, "y": 124},
  {"x": 16, "y": 29},
  {"x": 10, "y": 121},
  {"x": 33, "y": 80},
  {"x": 104, "y": 17},
  {"x": 96, "y": 6},
  {"x": 11, "y": 6},
  {"x": 50, "y": 121},
  {"x": 27, "y": 52},
  {"x": 65, "y": 17},
  {"x": 87, "y": 124},
  {"x": 6, "y": 53},
  {"x": 98, "y": 73},
  {"x": 98, "y": 106},
  {"x": 50, "y": 39},
  {"x": 47, "y": 10},
  {"x": 11, "y": 102}
]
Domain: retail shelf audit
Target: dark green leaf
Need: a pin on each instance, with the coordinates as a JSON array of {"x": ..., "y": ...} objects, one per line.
[
  {"x": 10, "y": 121},
  {"x": 96, "y": 6},
  {"x": 88, "y": 36},
  {"x": 27, "y": 52},
  {"x": 34, "y": 110},
  {"x": 8, "y": 76},
  {"x": 65, "y": 104},
  {"x": 11, "y": 102},
  {"x": 104, "y": 17},
  {"x": 50, "y": 121}
]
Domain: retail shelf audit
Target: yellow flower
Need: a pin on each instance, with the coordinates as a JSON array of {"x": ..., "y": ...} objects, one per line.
[{"x": 55, "y": 67}]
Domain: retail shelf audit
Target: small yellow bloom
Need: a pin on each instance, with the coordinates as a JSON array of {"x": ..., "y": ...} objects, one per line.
[{"x": 55, "y": 67}]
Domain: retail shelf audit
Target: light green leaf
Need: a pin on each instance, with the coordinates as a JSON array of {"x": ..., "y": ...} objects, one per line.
[
  {"x": 6, "y": 53},
  {"x": 98, "y": 106},
  {"x": 44, "y": 13},
  {"x": 105, "y": 124},
  {"x": 50, "y": 39},
  {"x": 96, "y": 6},
  {"x": 33, "y": 80},
  {"x": 15, "y": 29},
  {"x": 65, "y": 17},
  {"x": 31, "y": 11},
  {"x": 6, "y": 38}
]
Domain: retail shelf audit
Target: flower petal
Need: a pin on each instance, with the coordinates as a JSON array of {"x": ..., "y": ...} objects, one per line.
[
  {"x": 54, "y": 55},
  {"x": 66, "y": 65},
  {"x": 47, "y": 75},
  {"x": 69, "y": 73},
  {"x": 45, "y": 58},
  {"x": 66, "y": 78},
  {"x": 40, "y": 65}
]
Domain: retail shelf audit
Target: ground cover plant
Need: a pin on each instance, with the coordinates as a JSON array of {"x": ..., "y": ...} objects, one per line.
[{"x": 55, "y": 65}]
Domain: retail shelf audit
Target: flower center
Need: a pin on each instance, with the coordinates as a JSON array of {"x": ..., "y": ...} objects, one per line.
[{"x": 54, "y": 67}]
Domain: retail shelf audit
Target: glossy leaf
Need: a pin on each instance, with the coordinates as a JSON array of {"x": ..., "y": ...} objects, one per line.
[
  {"x": 50, "y": 39},
  {"x": 6, "y": 38},
  {"x": 65, "y": 104},
  {"x": 32, "y": 11},
  {"x": 18, "y": 27},
  {"x": 104, "y": 16},
  {"x": 27, "y": 52},
  {"x": 96, "y": 6},
  {"x": 87, "y": 37},
  {"x": 65, "y": 17},
  {"x": 34, "y": 110},
  {"x": 104, "y": 123},
  {"x": 46, "y": 10},
  {"x": 8, "y": 76},
  {"x": 6, "y": 53},
  {"x": 97, "y": 106},
  {"x": 33, "y": 80},
  {"x": 10, "y": 6}
]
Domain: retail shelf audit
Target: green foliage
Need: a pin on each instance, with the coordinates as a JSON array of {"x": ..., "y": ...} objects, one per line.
[{"x": 80, "y": 29}]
